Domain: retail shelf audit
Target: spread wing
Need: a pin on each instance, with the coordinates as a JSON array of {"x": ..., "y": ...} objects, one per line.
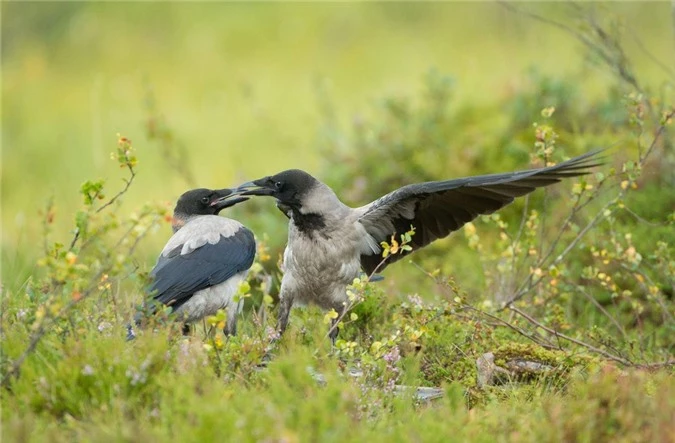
[
  {"x": 202, "y": 261},
  {"x": 438, "y": 208}
]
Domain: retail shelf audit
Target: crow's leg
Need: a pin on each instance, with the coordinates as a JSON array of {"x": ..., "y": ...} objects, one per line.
[
  {"x": 285, "y": 305},
  {"x": 232, "y": 312},
  {"x": 333, "y": 331},
  {"x": 230, "y": 329}
]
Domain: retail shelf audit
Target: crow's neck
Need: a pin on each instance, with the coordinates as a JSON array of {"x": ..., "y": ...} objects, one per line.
[
  {"x": 179, "y": 220},
  {"x": 309, "y": 224}
]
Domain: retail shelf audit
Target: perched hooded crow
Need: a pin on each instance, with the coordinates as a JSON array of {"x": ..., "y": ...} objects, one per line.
[
  {"x": 202, "y": 264},
  {"x": 329, "y": 243}
]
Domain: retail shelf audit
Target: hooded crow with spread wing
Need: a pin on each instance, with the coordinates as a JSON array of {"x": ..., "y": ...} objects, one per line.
[{"x": 329, "y": 243}]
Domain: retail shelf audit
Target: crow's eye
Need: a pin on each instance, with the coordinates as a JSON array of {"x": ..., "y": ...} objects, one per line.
[
  {"x": 205, "y": 200},
  {"x": 278, "y": 185}
]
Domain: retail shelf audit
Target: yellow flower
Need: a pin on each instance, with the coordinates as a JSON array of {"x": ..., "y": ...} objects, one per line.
[
  {"x": 330, "y": 316},
  {"x": 469, "y": 229},
  {"x": 71, "y": 258}
]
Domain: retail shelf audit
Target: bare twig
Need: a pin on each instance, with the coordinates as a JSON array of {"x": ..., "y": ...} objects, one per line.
[
  {"x": 643, "y": 220},
  {"x": 651, "y": 56},
  {"x": 592, "y": 299},
  {"x": 578, "y": 206},
  {"x": 74, "y": 240},
  {"x": 499, "y": 321},
  {"x": 46, "y": 221},
  {"x": 516, "y": 241},
  {"x": 608, "y": 49},
  {"x": 657, "y": 365},
  {"x": 659, "y": 132},
  {"x": 515, "y": 328},
  {"x": 543, "y": 218},
  {"x": 667, "y": 316},
  {"x": 173, "y": 151},
  {"x": 672, "y": 10},
  {"x": 127, "y": 184},
  {"x": 531, "y": 282},
  {"x": 592, "y": 348}
]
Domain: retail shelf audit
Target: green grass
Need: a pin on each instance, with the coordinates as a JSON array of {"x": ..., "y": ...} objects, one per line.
[
  {"x": 367, "y": 97},
  {"x": 103, "y": 389}
]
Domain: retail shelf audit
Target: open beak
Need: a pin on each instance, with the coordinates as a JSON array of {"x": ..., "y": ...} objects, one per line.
[
  {"x": 263, "y": 186},
  {"x": 226, "y": 198}
]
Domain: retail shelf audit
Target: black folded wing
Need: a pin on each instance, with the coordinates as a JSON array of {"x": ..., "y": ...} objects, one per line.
[{"x": 177, "y": 276}]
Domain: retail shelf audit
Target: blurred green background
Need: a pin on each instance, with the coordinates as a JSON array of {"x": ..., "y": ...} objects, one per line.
[{"x": 242, "y": 85}]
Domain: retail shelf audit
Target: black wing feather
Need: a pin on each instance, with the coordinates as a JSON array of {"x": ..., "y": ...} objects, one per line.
[
  {"x": 442, "y": 207},
  {"x": 177, "y": 277}
]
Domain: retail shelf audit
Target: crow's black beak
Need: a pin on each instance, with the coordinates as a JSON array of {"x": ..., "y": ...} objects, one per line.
[
  {"x": 263, "y": 186},
  {"x": 226, "y": 198}
]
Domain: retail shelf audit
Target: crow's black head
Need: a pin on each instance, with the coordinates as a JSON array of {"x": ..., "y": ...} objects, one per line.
[
  {"x": 288, "y": 187},
  {"x": 206, "y": 201}
]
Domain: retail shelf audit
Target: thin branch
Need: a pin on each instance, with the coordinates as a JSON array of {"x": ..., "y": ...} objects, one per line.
[
  {"x": 538, "y": 18},
  {"x": 46, "y": 221},
  {"x": 642, "y": 219},
  {"x": 544, "y": 205},
  {"x": 127, "y": 184},
  {"x": 592, "y": 299},
  {"x": 173, "y": 152},
  {"x": 578, "y": 206},
  {"x": 514, "y": 244},
  {"x": 672, "y": 10},
  {"x": 619, "y": 66},
  {"x": 592, "y": 348},
  {"x": 651, "y": 56},
  {"x": 513, "y": 327},
  {"x": 583, "y": 232},
  {"x": 76, "y": 237},
  {"x": 667, "y": 316},
  {"x": 657, "y": 135},
  {"x": 530, "y": 283},
  {"x": 500, "y": 321},
  {"x": 657, "y": 365}
]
